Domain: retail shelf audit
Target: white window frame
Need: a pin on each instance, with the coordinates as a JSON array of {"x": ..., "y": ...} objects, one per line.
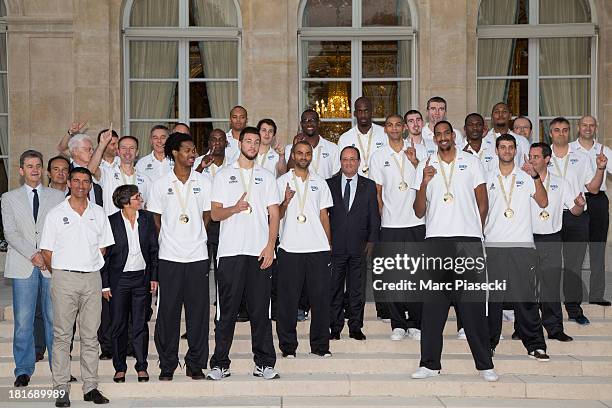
[
  {"x": 6, "y": 155},
  {"x": 182, "y": 34},
  {"x": 533, "y": 32},
  {"x": 357, "y": 34}
]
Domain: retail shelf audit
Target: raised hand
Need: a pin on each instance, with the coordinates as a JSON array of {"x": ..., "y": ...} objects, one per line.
[
  {"x": 429, "y": 171},
  {"x": 528, "y": 167},
  {"x": 206, "y": 162},
  {"x": 580, "y": 201},
  {"x": 279, "y": 148},
  {"x": 411, "y": 155},
  {"x": 241, "y": 204},
  {"x": 76, "y": 127},
  {"x": 289, "y": 193},
  {"x": 601, "y": 160},
  {"x": 106, "y": 137}
]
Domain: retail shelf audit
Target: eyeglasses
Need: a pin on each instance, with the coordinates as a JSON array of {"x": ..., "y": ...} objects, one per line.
[
  {"x": 522, "y": 128},
  {"x": 137, "y": 197}
]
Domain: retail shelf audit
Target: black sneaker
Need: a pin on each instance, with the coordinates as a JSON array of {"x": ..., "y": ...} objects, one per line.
[
  {"x": 515, "y": 336},
  {"x": 561, "y": 336},
  {"x": 63, "y": 401},
  {"x": 166, "y": 376},
  {"x": 324, "y": 354},
  {"x": 195, "y": 373},
  {"x": 288, "y": 355},
  {"x": 539, "y": 355},
  {"x": 95, "y": 396}
]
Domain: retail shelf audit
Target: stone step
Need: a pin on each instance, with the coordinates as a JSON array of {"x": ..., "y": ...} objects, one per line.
[
  {"x": 358, "y": 385},
  {"x": 372, "y": 363}
]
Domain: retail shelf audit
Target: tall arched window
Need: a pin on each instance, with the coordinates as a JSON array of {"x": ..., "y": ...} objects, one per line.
[
  {"x": 181, "y": 64},
  {"x": 349, "y": 48},
  {"x": 4, "y": 125},
  {"x": 540, "y": 56}
]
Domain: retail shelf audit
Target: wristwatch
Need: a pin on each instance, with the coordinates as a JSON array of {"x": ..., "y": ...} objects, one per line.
[{"x": 537, "y": 176}]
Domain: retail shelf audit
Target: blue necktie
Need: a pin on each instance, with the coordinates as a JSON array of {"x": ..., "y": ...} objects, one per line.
[
  {"x": 347, "y": 194},
  {"x": 35, "y": 204}
]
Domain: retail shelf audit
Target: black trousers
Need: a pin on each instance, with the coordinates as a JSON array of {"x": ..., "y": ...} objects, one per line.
[
  {"x": 238, "y": 275},
  {"x": 548, "y": 280},
  {"x": 104, "y": 331},
  {"x": 517, "y": 267},
  {"x": 599, "y": 219},
  {"x": 574, "y": 234},
  {"x": 397, "y": 310},
  {"x": 472, "y": 312},
  {"x": 293, "y": 270},
  {"x": 182, "y": 284},
  {"x": 350, "y": 270},
  {"x": 130, "y": 298}
]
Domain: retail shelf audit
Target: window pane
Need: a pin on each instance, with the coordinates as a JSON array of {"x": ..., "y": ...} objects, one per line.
[
  {"x": 154, "y": 13},
  {"x": 328, "y": 13},
  {"x": 3, "y": 52},
  {"x": 3, "y": 94},
  {"x": 212, "y": 99},
  {"x": 564, "y": 11},
  {"x": 153, "y": 59},
  {"x": 213, "y": 59},
  {"x": 388, "y": 97},
  {"x": 503, "y": 12},
  {"x": 329, "y": 99},
  {"x": 326, "y": 59},
  {"x": 565, "y": 97},
  {"x": 332, "y": 130},
  {"x": 2, "y": 9},
  {"x": 212, "y": 13},
  {"x": 565, "y": 56},
  {"x": 503, "y": 57},
  {"x": 200, "y": 132},
  {"x": 4, "y": 139},
  {"x": 4, "y": 163},
  {"x": 513, "y": 91},
  {"x": 141, "y": 131},
  {"x": 382, "y": 59},
  {"x": 385, "y": 13},
  {"x": 153, "y": 100}
]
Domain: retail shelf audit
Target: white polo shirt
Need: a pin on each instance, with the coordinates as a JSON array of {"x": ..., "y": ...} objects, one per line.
[
  {"x": 559, "y": 197},
  {"x": 460, "y": 141},
  {"x": 76, "y": 239},
  {"x": 515, "y": 231},
  {"x": 116, "y": 161},
  {"x": 269, "y": 160},
  {"x": 375, "y": 138},
  {"x": 244, "y": 234},
  {"x": 592, "y": 154},
  {"x": 178, "y": 241},
  {"x": 576, "y": 168},
  {"x": 113, "y": 177},
  {"x": 459, "y": 217},
  {"x": 309, "y": 236},
  {"x": 232, "y": 151},
  {"x": 486, "y": 155},
  {"x": 153, "y": 168},
  {"x": 213, "y": 168},
  {"x": 325, "y": 158},
  {"x": 431, "y": 148},
  {"x": 522, "y": 147},
  {"x": 397, "y": 211}
]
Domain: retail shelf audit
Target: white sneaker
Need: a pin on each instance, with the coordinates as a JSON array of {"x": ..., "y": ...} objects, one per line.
[
  {"x": 414, "y": 334},
  {"x": 218, "y": 373},
  {"x": 424, "y": 372},
  {"x": 489, "y": 375},
  {"x": 508, "y": 315},
  {"x": 386, "y": 320},
  {"x": 398, "y": 334},
  {"x": 267, "y": 373},
  {"x": 461, "y": 334}
]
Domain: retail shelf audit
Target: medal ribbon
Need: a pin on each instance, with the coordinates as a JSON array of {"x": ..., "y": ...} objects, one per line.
[
  {"x": 564, "y": 166},
  {"x": 366, "y": 154},
  {"x": 400, "y": 167},
  {"x": 447, "y": 182},
  {"x": 507, "y": 198},
  {"x": 245, "y": 187},
  {"x": 315, "y": 164},
  {"x": 301, "y": 198},
  {"x": 125, "y": 178},
  {"x": 179, "y": 196}
]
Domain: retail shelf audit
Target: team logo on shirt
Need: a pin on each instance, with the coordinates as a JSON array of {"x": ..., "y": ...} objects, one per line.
[
  {"x": 65, "y": 219},
  {"x": 378, "y": 144},
  {"x": 573, "y": 161},
  {"x": 196, "y": 190},
  {"x": 116, "y": 176},
  {"x": 140, "y": 180},
  {"x": 553, "y": 187},
  {"x": 492, "y": 187},
  {"x": 149, "y": 166},
  {"x": 387, "y": 164},
  {"x": 314, "y": 188},
  {"x": 488, "y": 158},
  {"x": 462, "y": 166},
  {"x": 233, "y": 180},
  {"x": 170, "y": 192},
  {"x": 325, "y": 155},
  {"x": 258, "y": 180},
  {"x": 519, "y": 183}
]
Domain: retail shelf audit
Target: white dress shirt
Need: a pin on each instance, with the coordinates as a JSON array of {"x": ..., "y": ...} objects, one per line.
[
  {"x": 135, "y": 261},
  {"x": 353, "y": 184}
]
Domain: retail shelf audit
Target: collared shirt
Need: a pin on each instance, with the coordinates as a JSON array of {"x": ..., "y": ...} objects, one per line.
[
  {"x": 213, "y": 169},
  {"x": 517, "y": 230},
  {"x": 113, "y": 177},
  {"x": 592, "y": 154},
  {"x": 30, "y": 193},
  {"x": 325, "y": 158},
  {"x": 244, "y": 233},
  {"x": 430, "y": 146},
  {"x": 76, "y": 239},
  {"x": 232, "y": 151},
  {"x": 353, "y": 184},
  {"x": 576, "y": 168},
  {"x": 308, "y": 236},
  {"x": 179, "y": 241},
  {"x": 486, "y": 155},
  {"x": 153, "y": 168},
  {"x": 559, "y": 197},
  {"x": 522, "y": 148},
  {"x": 269, "y": 160},
  {"x": 353, "y": 137},
  {"x": 135, "y": 261},
  {"x": 460, "y": 216},
  {"x": 115, "y": 162},
  {"x": 460, "y": 141}
]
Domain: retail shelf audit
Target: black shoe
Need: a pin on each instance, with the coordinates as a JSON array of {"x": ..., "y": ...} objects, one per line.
[
  {"x": 561, "y": 336},
  {"x": 184, "y": 336},
  {"x": 581, "y": 320},
  {"x": 63, "y": 401},
  {"x": 515, "y": 336},
  {"x": 288, "y": 355},
  {"x": 22, "y": 380},
  {"x": 166, "y": 376},
  {"x": 325, "y": 354},
  {"x": 602, "y": 302},
  {"x": 143, "y": 378},
  {"x": 95, "y": 396},
  {"x": 119, "y": 379},
  {"x": 539, "y": 355},
  {"x": 39, "y": 356},
  {"x": 334, "y": 335},
  {"x": 72, "y": 379},
  {"x": 106, "y": 356},
  {"x": 357, "y": 335},
  {"x": 195, "y": 373}
]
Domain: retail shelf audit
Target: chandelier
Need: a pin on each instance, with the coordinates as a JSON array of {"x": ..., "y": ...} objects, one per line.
[{"x": 337, "y": 104}]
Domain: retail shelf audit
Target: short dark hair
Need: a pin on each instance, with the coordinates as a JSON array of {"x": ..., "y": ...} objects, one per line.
[
  {"x": 54, "y": 158},
  {"x": 250, "y": 130},
  {"x": 30, "y": 154},
  {"x": 413, "y": 112},
  {"x": 311, "y": 111},
  {"x": 123, "y": 194},
  {"x": 523, "y": 117},
  {"x": 181, "y": 124},
  {"x": 441, "y": 123},
  {"x": 82, "y": 170},
  {"x": 436, "y": 99},
  {"x": 115, "y": 134},
  {"x": 546, "y": 150},
  {"x": 238, "y": 107},
  {"x": 174, "y": 143},
  {"x": 507, "y": 137},
  {"x": 394, "y": 115},
  {"x": 473, "y": 114},
  {"x": 126, "y": 137},
  {"x": 559, "y": 119},
  {"x": 158, "y": 127},
  {"x": 268, "y": 122},
  {"x": 301, "y": 142},
  {"x": 353, "y": 148}
]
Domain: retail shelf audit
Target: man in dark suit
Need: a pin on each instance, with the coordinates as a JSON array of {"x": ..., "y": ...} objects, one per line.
[
  {"x": 129, "y": 273},
  {"x": 355, "y": 222}
]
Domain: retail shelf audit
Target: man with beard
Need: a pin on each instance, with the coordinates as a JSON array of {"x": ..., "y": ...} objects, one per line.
[
  {"x": 271, "y": 154},
  {"x": 451, "y": 194},
  {"x": 156, "y": 164},
  {"x": 477, "y": 144},
  {"x": 436, "y": 111},
  {"x": 500, "y": 125},
  {"x": 365, "y": 136},
  {"x": 245, "y": 199},
  {"x": 413, "y": 124}
]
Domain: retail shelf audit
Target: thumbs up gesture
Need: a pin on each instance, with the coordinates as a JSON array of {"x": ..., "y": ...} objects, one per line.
[
  {"x": 428, "y": 171},
  {"x": 580, "y": 200},
  {"x": 601, "y": 160}
]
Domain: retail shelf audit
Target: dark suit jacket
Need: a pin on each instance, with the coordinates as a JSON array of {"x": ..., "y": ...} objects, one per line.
[
  {"x": 351, "y": 230},
  {"x": 116, "y": 254}
]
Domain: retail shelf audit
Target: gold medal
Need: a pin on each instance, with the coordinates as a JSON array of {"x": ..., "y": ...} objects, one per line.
[
  {"x": 509, "y": 213},
  {"x": 301, "y": 218},
  {"x": 403, "y": 186},
  {"x": 544, "y": 215},
  {"x": 448, "y": 198},
  {"x": 184, "y": 218}
]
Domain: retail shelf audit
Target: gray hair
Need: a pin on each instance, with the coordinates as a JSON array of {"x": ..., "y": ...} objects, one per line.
[{"x": 75, "y": 141}]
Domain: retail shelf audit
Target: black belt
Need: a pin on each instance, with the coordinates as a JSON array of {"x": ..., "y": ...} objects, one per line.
[
  {"x": 70, "y": 270},
  {"x": 600, "y": 193}
]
